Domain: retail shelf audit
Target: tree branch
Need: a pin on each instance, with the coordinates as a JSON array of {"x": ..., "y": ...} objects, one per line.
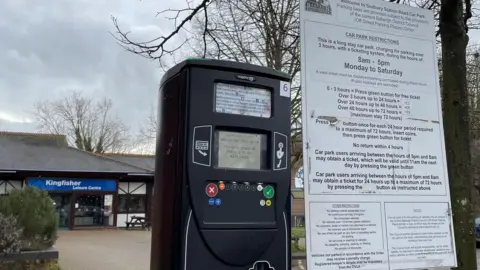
[{"x": 149, "y": 48}]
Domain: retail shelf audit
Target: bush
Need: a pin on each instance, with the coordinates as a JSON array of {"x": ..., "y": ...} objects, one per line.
[
  {"x": 298, "y": 232},
  {"x": 295, "y": 248},
  {"x": 35, "y": 213},
  {"x": 10, "y": 235},
  {"x": 30, "y": 265}
]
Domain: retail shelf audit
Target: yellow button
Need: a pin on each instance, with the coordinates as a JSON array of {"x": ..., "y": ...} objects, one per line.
[{"x": 268, "y": 202}]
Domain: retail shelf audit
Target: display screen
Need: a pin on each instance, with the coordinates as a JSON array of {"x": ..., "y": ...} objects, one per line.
[
  {"x": 240, "y": 150},
  {"x": 243, "y": 100}
]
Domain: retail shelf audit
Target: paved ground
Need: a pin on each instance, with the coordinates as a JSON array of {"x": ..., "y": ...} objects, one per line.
[
  {"x": 108, "y": 250},
  {"x": 115, "y": 250}
]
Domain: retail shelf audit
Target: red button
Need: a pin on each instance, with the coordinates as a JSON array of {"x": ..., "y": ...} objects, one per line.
[{"x": 212, "y": 190}]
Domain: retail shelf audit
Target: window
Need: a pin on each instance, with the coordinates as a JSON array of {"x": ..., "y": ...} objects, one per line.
[
  {"x": 90, "y": 210},
  {"x": 131, "y": 203}
]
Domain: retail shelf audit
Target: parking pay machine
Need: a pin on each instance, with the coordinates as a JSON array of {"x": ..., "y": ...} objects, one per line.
[{"x": 222, "y": 175}]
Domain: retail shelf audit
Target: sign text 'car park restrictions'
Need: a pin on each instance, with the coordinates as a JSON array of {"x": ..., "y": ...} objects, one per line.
[{"x": 376, "y": 183}]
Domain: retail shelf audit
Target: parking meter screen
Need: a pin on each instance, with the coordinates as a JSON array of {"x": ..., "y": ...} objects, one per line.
[
  {"x": 243, "y": 100},
  {"x": 238, "y": 150}
]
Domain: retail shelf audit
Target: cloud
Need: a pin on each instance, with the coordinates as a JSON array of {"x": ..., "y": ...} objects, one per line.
[
  {"x": 49, "y": 47},
  {"x": 13, "y": 119}
]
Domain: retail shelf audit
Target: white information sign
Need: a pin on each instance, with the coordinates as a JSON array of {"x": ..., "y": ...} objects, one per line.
[
  {"x": 243, "y": 100},
  {"x": 376, "y": 183}
]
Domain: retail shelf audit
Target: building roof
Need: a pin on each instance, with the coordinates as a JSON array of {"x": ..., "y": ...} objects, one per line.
[
  {"x": 47, "y": 152},
  {"x": 143, "y": 161}
]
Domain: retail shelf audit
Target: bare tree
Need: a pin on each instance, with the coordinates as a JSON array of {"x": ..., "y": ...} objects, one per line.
[
  {"x": 473, "y": 85},
  {"x": 88, "y": 124},
  {"x": 258, "y": 32},
  {"x": 145, "y": 140},
  {"x": 261, "y": 32},
  {"x": 148, "y": 130},
  {"x": 453, "y": 28},
  {"x": 276, "y": 12}
]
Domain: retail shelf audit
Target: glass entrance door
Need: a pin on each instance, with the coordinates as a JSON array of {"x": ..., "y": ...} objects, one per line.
[
  {"x": 90, "y": 210},
  {"x": 62, "y": 204}
]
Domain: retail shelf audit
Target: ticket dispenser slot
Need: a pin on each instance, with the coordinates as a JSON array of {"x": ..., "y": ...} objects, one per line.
[{"x": 222, "y": 179}]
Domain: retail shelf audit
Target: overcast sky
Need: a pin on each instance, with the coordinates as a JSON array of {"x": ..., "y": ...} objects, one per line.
[{"x": 49, "y": 47}]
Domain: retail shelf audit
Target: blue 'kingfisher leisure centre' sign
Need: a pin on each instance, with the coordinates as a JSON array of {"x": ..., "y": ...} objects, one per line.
[{"x": 62, "y": 184}]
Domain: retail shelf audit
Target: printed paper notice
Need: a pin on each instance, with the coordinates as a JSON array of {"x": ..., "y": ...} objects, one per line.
[
  {"x": 352, "y": 230},
  {"x": 415, "y": 230},
  {"x": 373, "y": 137},
  {"x": 242, "y": 100}
]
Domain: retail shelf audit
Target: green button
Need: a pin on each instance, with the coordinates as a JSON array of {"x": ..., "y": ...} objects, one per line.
[{"x": 268, "y": 192}]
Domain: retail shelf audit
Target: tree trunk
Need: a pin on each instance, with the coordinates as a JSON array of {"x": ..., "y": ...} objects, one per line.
[{"x": 456, "y": 125}]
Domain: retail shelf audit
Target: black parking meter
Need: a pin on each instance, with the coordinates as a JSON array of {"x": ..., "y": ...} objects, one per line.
[{"x": 222, "y": 179}]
